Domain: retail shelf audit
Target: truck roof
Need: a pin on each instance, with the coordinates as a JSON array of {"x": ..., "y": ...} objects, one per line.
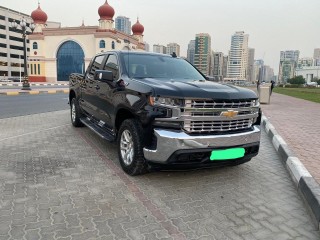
[{"x": 135, "y": 52}]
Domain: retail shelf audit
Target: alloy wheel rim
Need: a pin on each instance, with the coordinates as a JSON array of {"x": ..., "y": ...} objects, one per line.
[{"x": 126, "y": 147}]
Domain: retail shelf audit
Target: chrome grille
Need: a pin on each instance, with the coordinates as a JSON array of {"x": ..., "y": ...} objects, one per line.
[
  {"x": 221, "y": 103},
  {"x": 208, "y": 116},
  {"x": 217, "y": 126}
]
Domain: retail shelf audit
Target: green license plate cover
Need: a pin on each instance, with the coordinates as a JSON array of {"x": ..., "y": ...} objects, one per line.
[{"x": 227, "y": 154}]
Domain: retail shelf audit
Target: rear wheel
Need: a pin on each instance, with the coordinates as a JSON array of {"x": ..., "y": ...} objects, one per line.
[
  {"x": 130, "y": 147},
  {"x": 75, "y": 113}
]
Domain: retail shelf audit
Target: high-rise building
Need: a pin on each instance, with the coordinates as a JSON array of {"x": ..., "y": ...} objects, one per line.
[
  {"x": 202, "y": 56},
  {"x": 268, "y": 73},
  {"x": 146, "y": 47},
  {"x": 250, "y": 71},
  {"x": 173, "y": 48},
  {"x": 218, "y": 66},
  {"x": 157, "y": 48},
  {"x": 238, "y": 56},
  {"x": 191, "y": 50},
  {"x": 123, "y": 24},
  {"x": 316, "y": 53},
  {"x": 258, "y": 70},
  {"x": 291, "y": 55},
  {"x": 288, "y": 64},
  {"x": 225, "y": 66},
  {"x": 305, "y": 62},
  {"x": 316, "y": 57}
]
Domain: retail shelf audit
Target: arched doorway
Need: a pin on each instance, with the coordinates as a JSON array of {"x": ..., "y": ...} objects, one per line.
[{"x": 70, "y": 59}]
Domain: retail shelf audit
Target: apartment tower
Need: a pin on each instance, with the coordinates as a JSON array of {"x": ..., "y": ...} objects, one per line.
[
  {"x": 238, "y": 56},
  {"x": 173, "y": 48},
  {"x": 202, "y": 56},
  {"x": 191, "y": 50},
  {"x": 123, "y": 24}
]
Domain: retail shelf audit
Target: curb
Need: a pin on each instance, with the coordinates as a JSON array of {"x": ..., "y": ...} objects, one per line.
[
  {"x": 33, "y": 92},
  {"x": 35, "y": 84},
  {"x": 307, "y": 186}
]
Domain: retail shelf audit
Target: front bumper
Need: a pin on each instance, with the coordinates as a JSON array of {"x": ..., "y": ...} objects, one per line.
[{"x": 170, "y": 142}]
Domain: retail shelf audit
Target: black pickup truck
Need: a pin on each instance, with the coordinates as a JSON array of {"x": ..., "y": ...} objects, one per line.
[{"x": 162, "y": 111}]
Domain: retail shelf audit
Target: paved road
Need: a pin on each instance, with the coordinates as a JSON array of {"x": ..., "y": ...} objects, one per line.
[
  {"x": 12, "y": 106},
  {"x": 59, "y": 182}
]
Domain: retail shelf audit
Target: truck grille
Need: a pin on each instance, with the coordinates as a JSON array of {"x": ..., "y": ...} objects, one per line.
[
  {"x": 221, "y": 103},
  {"x": 206, "y": 116},
  {"x": 217, "y": 126}
]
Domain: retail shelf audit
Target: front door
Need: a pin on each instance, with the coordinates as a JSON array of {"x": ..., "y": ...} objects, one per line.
[
  {"x": 108, "y": 90},
  {"x": 90, "y": 89}
]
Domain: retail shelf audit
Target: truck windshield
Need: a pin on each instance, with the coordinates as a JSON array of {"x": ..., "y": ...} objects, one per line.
[{"x": 157, "y": 66}]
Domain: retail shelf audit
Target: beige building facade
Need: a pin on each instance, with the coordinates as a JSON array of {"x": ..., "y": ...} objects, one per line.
[{"x": 57, "y": 52}]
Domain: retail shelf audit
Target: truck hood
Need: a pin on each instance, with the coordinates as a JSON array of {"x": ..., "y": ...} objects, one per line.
[{"x": 196, "y": 89}]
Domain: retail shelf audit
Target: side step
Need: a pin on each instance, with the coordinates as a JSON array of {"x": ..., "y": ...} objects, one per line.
[{"x": 103, "y": 133}]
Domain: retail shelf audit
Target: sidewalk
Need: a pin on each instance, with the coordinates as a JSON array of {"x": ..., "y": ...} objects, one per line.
[
  {"x": 35, "y": 84},
  {"x": 298, "y": 122},
  {"x": 49, "y": 90}
]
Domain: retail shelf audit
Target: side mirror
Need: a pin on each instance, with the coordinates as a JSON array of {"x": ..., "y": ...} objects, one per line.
[{"x": 103, "y": 75}]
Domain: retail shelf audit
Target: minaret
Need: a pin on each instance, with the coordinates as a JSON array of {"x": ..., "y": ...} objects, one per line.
[
  {"x": 137, "y": 31},
  {"x": 39, "y": 18},
  {"x": 106, "y": 13}
]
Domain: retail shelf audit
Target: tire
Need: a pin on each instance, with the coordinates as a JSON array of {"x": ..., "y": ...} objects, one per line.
[
  {"x": 75, "y": 113},
  {"x": 130, "y": 142}
]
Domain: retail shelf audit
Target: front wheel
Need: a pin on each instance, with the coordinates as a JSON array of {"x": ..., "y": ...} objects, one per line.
[
  {"x": 75, "y": 113},
  {"x": 130, "y": 147}
]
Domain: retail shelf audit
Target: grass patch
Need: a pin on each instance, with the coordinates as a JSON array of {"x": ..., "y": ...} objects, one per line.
[{"x": 310, "y": 94}]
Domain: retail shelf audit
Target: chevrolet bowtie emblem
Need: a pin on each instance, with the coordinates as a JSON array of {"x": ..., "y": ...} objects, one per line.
[{"x": 229, "y": 114}]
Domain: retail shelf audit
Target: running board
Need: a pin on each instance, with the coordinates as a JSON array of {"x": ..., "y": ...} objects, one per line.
[{"x": 98, "y": 130}]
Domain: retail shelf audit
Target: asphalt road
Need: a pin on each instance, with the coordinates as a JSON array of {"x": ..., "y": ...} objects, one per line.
[{"x": 13, "y": 106}]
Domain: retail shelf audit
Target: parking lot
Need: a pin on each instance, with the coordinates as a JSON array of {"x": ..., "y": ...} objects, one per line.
[{"x": 59, "y": 182}]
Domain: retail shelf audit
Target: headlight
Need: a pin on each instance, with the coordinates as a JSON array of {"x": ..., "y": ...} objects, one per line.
[
  {"x": 255, "y": 103},
  {"x": 164, "y": 101}
]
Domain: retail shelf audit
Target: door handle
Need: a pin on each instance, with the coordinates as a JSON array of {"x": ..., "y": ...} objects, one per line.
[{"x": 97, "y": 87}]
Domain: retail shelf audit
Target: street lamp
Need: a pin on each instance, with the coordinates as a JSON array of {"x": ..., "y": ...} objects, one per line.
[{"x": 24, "y": 27}]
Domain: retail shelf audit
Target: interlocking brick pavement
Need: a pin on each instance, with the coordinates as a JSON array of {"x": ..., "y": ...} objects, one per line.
[
  {"x": 297, "y": 121},
  {"x": 59, "y": 182}
]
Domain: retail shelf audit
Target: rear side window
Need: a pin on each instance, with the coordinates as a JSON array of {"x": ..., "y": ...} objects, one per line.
[{"x": 96, "y": 65}]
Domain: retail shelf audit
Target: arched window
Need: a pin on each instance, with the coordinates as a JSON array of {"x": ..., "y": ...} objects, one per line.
[
  {"x": 113, "y": 45},
  {"x": 102, "y": 44},
  {"x": 35, "y": 45}
]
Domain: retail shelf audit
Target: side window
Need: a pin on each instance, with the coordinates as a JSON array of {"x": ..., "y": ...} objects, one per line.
[
  {"x": 112, "y": 65},
  {"x": 35, "y": 45},
  {"x": 102, "y": 44},
  {"x": 96, "y": 65}
]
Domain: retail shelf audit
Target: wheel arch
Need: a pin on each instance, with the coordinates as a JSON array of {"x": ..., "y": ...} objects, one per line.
[
  {"x": 72, "y": 94},
  {"x": 122, "y": 114}
]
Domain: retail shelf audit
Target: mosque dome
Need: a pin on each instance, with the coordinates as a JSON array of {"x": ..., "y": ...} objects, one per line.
[
  {"x": 106, "y": 12},
  {"x": 39, "y": 16}
]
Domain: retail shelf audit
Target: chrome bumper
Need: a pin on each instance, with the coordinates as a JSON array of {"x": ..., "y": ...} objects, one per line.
[{"x": 170, "y": 141}]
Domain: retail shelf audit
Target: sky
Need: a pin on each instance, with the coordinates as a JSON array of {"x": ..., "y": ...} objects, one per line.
[{"x": 272, "y": 25}]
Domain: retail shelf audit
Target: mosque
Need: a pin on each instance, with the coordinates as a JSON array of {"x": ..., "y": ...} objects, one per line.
[{"x": 57, "y": 52}]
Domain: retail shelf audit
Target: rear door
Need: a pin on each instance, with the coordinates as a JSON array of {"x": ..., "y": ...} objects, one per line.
[{"x": 89, "y": 87}]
